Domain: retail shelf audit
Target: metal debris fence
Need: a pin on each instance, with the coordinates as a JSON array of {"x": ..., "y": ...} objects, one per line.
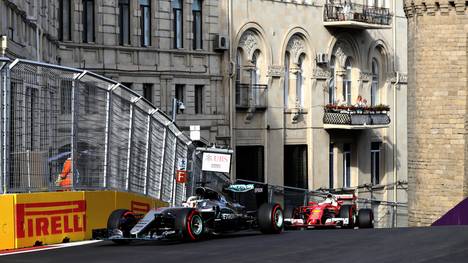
[{"x": 115, "y": 138}]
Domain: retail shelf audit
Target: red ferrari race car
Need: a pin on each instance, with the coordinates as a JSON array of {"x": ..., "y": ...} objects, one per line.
[{"x": 333, "y": 210}]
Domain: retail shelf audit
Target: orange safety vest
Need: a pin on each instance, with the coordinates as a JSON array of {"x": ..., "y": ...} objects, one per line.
[{"x": 66, "y": 174}]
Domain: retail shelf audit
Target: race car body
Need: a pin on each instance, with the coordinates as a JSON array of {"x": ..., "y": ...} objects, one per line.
[
  {"x": 206, "y": 213},
  {"x": 336, "y": 210}
]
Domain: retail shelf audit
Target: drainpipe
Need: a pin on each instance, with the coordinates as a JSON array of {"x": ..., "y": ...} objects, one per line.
[
  {"x": 395, "y": 147},
  {"x": 231, "y": 89}
]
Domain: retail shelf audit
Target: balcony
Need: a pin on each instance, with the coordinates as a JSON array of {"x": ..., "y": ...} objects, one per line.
[
  {"x": 251, "y": 96},
  {"x": 356, "y": 118},
  {"x": 350, "y": 15}
]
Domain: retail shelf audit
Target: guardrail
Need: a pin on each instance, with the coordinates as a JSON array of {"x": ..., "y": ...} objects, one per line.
[
  {"x": 251, "y": 96},
  {"x": 335, "y": 10},
  {"x": 113, "y": 137}
]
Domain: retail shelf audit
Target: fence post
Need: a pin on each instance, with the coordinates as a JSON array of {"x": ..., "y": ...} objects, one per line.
[
  {"x": 6, "y": 125},
  {"x": 110, "y": 90},
  {"x": 173, "y": 171},
  {"x": 74, "y": 110},
  {"x": 163, "y": 153},
  {"x": 129, "y": 149},
  {"x": 148, "y": 149}
]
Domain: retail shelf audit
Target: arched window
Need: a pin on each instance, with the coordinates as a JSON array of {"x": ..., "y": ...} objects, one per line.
[
  {"x": 331, "y": 84},
  {"x": 286, "y": 79},
  {"x": 375, "y": 83},
  {"x": 300, "y": 82},
  {"x": 347, "y": 82}
]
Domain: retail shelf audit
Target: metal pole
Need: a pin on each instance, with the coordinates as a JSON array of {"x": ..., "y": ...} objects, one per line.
[
  {"x": 148, "y": 149},
  {"x": 110, "y": 91},
  {"x": 163, "y": 153},
  {"x": 74, "y": 110},
  {"x": 28, "y": 157},
  {"x": 173, "y": 171},
  {"x": 129, "y": 149},
  {"x": 6, "y": 126}
]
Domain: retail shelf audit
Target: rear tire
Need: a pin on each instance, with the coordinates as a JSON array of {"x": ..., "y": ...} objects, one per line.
[
  {"x": 190, "y": 224},
  {"x": 270, "y": 218},
  {"x": 366, "y": 218},
  {"x": 346, "y": 211},
  {"x": 122, "y": 220}
]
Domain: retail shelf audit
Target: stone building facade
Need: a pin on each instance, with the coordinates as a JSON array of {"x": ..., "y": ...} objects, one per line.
[
  {"x": 31, "y": 29},
  {"x": 151, "y": 46},
  {"x": 437, "y": 108},
  {"x": 291, "y": 59}
]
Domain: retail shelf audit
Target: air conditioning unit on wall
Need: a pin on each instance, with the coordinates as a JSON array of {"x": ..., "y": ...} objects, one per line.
[
  {"x": 322, "y": 58},
  {"x": 221, "y": 42}
]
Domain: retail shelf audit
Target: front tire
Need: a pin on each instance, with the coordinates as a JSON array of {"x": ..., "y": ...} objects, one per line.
[
  {"x": 270, "y": 218},
  {"x": 189, "y": 223},
  {"x": 120, "y": 222},
  {"x": 366, "y": 218},
  {"x": 346, "y": 211}
]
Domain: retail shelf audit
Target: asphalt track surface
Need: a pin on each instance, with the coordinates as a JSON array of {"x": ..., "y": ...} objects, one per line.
[{"x": 436, "y": 244}]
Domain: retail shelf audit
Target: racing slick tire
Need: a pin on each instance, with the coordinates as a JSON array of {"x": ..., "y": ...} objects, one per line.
[
  {"x": 189, "y": 223},
  {"x": 122, "y": 220},
  {"x": 365, "y": 218},
  {"x": 270, "y": 218},
  {"x": 290, "y": 212},
  {"x": 346, "y": 211}
]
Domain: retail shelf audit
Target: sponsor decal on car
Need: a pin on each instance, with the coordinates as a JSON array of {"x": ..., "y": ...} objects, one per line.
[{"x": 240, "y": 188}]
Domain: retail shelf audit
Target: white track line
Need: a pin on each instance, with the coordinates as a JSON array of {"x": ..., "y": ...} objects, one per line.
[{"x": 49, "y": 247}]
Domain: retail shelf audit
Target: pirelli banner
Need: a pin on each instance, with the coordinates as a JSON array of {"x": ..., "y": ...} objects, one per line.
[{"x": 49, "y": 218}]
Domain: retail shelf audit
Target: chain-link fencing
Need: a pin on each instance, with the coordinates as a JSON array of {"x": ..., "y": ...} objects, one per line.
[{"x": 59, "y": 121}]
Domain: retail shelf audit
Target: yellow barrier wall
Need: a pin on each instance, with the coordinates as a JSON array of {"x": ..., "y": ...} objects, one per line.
[
  {"x": 7, "y": 222},
  {"x": 50, "y": 218}
]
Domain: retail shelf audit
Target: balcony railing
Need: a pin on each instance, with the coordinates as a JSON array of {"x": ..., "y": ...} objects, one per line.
[
  {"x": 251, "y": 96},
  {"x": 347, "y": 14},
  {"x": 356, "y": 118}
]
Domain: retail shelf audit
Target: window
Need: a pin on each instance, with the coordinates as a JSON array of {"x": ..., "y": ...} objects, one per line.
[
  {"x": 199, "y": 99},
  {"x": 197, "y": 24},
  {"x": 347, "y": 82},
  {"x": 179, "y": 93},
  {"x": 65, "y": 96},
  {"x": 300, "y": 83},
  {"x": 88, "y": 21},
  {"x": 286, "y": 79},
  {"x": 255, "y": 78},
  {"x": 241, "y": 95},
  {"x": 331, "y": 159},
  {"x": 331, "y": 84},
  {"x": 375, "y": 83},
  {"x": 346, "y": 165},
  {"x": 65, "y": 20},
  {"x": 145, "y": 23},
  {"x": 178, "y": 16},
  {"x": 295, "y": 166},
  {"x": 250, "y": 163},
  {"x": 375, "y": 162},
  {"x": 148, "y": 92},
  {"x": 124, "y": 22}
]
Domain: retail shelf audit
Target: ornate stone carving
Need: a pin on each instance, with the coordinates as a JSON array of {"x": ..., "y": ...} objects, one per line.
[
  {"x": 321, "y": 73},
  {"x": 296, "y": 47},
  {"x": 366, "y": 76},
  {"x": 249, "y": 42},
  {"x": 275, "y": 71}
]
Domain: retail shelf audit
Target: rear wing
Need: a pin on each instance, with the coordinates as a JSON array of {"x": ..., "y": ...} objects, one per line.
[{"x": 344, "y": 197}]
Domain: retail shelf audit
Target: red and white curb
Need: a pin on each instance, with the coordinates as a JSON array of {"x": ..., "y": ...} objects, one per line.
[{"x": 47, "y": 247}]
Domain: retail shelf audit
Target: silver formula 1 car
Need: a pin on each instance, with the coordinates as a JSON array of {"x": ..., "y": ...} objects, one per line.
[{"x": 206, "y": 213}]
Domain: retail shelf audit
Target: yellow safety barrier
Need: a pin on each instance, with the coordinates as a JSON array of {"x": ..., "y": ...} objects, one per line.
[{"x": 54, "y": 217}]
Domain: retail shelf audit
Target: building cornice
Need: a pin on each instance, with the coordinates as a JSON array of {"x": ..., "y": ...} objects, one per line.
[{"x": 434, "y": 7}]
